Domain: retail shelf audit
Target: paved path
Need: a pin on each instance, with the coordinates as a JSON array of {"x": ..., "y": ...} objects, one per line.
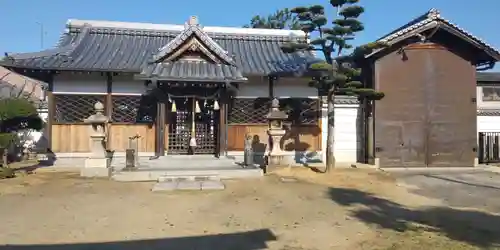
[{"x": 468, "y": 188}]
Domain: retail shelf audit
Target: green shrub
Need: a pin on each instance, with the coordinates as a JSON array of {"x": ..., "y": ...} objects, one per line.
[{"x": 16, "y": 114}]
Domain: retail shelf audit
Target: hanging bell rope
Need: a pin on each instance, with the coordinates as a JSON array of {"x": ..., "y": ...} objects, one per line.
[
  {"x": 174, "y": 107},
  {"x": 197, "y": 108},
  {"x": 216, "y": 105}
]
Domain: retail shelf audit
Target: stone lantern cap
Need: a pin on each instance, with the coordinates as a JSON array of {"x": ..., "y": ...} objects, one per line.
[
  {"x": 99, "y": 116},
  {"x": 275, "y": 113}
]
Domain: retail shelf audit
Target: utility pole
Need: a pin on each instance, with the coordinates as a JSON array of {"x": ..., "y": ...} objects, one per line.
[{"x": 42, "y": 33}]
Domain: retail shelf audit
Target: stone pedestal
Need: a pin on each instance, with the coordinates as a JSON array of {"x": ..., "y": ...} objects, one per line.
[
  {"x": 97, "y": 164},
  {"x": 276, "y": 156},
  {"x": 96, "y": 168}
]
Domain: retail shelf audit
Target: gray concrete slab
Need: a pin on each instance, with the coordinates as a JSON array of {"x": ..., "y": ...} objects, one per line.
[
  {"x": 189, "y": 185},
  {"x": 475, "y": 188},
  {"x": 164, "y": 186},
  {"x": 212, "y": 185}
]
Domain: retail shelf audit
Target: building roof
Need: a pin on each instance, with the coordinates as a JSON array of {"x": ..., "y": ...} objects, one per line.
[
  {"x": 128, "y": 47},
  {"x": 191, "y": 71},
  {"x": 13, "y": 84},
  {"x": 488, "y": 77},
  {"x": 433, "y": 19}
]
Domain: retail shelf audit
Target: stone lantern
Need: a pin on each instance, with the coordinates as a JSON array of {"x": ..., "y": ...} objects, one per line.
[
  {"x": 276, "y": 132},
  {"x": 97, "y": 164}
]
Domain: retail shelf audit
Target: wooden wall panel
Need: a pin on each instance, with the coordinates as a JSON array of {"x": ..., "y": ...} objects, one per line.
[
  {"x": 119, "y": 134},
  {"x": 70, "y": 138},
  {"x": 300, "y": 138}
]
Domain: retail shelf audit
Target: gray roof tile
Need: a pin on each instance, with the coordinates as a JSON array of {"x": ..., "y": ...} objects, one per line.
[
  {"x": 488, "y": 77},
  {"x": 186, "y": 70},
  {"x": 192, "y": 28},
  {"x": 91, "y": 48},
  {"x": 488, "y": 112}
]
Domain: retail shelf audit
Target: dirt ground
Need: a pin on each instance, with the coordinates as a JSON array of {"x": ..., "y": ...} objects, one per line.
[{"x": 290, "y": 210}]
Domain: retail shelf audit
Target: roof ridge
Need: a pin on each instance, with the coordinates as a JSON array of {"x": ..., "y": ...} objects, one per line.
[
  {"x": 192, "y": 27},
  {"x": 65, "y": 50},
  {"x": 179, "y": 28},
  {"x": 430, "y": 17}
]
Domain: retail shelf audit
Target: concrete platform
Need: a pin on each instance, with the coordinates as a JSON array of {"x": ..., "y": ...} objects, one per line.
[
  {"x": 156, "y": 174},
  {"x": 194, "y": 167}
]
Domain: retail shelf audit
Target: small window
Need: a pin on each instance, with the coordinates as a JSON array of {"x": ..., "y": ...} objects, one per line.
[{"x": 491, "y": 94}]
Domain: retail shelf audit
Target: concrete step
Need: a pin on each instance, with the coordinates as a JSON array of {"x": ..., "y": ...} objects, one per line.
[
  {"x": 174, "y": 176},
  {"x": 188, "y": 185},
  {"x": 154, "y": 174},
  {"x": 179, "y": 162}
]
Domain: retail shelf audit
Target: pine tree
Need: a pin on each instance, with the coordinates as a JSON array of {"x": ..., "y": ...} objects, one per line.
[
  {"x": 281, "y": 19},
  {"x": 339, "y": 74},
  {"x": 16, "y": 114}
]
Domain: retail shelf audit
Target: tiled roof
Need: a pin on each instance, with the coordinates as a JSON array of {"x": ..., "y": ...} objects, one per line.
[
  {"x": 126, "y": 47},
  {"x": 431, "y": 19},
  {"x": 14, "y": 84},
  {"x": 488, "y": 112},
  {"x": 191, "y": 70},
  {"x": 193, "y": 29},
  {"x": 488, "y": 77},
  {"x": 340, "y": 99}
]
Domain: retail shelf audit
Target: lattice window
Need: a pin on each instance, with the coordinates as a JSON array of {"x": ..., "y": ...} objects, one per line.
[
  {"x": 248, "y": 111},
  {"x": 75, "y": 108},
  {"x": 133, "y": 109},
  {"x": 301, "y": 110}
]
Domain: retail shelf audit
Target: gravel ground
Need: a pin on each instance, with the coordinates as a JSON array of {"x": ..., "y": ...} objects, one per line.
[
  {"x": 346, "y": 209},
  {"x": 61, "y": 208}
]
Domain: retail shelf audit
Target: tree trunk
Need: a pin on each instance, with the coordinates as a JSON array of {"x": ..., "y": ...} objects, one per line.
[{"x": 330, "y": 141}]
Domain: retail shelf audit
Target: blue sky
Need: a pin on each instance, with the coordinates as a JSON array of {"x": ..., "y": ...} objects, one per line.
[{"x": 21, "y": 19}]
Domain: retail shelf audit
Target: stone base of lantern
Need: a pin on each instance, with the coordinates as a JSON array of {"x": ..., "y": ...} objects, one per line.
[
  {"x": 96, "y": 167},
  {"x": 279, "y": 161}
]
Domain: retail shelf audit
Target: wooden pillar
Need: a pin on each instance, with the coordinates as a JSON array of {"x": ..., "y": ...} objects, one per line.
[
  {"x": 271, "y": 82},
  {"x": 161, "y": 112},
  {"x": 51, "y": 111},
  {"x": 109, "y": 106},
  {"x": 223, "y": 109}
]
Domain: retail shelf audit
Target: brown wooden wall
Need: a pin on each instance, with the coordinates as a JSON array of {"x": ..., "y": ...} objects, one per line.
[
  {"x": 74, "y": 138},
  {"x": 119, "y": 134},
  {"x": 428, "y": 115},
  {"x": 70, "y": 138},
  {"x": 300, "y": 138}
]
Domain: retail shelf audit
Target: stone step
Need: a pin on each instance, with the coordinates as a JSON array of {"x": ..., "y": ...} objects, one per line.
[
  {"x": 178, "y": 162},
  {"x": 188, "y": 185},
  {"x": 155, "y": 174},
  {"x": 174, "y": 176}
]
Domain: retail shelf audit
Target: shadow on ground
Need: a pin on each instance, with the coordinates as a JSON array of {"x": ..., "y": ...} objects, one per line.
[
  {"x": 250, "y": 240},
  {"x": 473, "y": 227}
]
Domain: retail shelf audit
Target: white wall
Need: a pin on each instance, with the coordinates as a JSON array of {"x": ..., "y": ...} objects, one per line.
[
  {"x": 488, "y": 123},
  {"x": 95, "y": 83},
  {"x": 294, "y": 87},
  {"x": 126, "y": 85},
  {"x": 283, "y": 88},
  {"x": 67, "y": 83},
  {"x": 346, "y": 139}
]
